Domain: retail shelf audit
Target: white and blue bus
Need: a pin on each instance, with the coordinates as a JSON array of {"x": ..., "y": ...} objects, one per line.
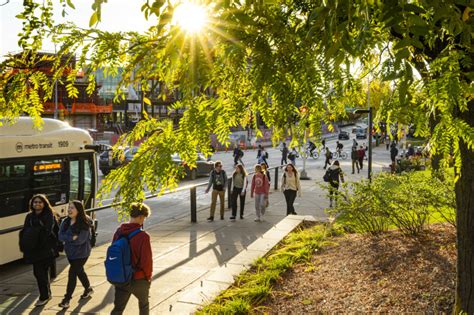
[{"x": 55, "y": 160}]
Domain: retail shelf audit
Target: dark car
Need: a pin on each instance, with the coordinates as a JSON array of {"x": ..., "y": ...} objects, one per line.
[
  {"x": 361, "y": 133},
  {"x": 203, "y": 166},
  {"x": 107, "y": 162},
  {"x": 343, "y": 135}
]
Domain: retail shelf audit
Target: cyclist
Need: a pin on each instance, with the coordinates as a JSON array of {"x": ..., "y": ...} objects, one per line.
[
  {"x": 339, "y": 147},
  {"x": 311, "y": 147}
]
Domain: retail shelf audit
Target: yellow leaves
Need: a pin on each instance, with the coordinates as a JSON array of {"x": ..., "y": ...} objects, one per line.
[
  {"x": 147, "y": 101},
  {"x": 94, "y": 19},
  {"x": 466, "y": 15}
]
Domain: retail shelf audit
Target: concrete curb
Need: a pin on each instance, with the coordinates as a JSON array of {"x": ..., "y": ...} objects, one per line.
[{"x": 222, "y": 277}]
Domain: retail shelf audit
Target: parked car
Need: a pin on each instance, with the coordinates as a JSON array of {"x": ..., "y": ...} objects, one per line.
[
  {"x": 361, "y": 133},
  {"x": 203, "y": 166},
  {"x": 107, "y": 162},
  {"x": 343, "y": 135},
  {"x": 359, "y": 126}
]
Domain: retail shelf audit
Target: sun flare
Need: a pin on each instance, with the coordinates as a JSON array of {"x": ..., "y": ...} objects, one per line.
[{"x": 191, "y": 17}]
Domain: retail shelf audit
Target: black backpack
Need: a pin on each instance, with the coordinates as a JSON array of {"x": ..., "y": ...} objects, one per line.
[
  {"x": 93, "y": 234},
  {"x": 327, "y": 176}
]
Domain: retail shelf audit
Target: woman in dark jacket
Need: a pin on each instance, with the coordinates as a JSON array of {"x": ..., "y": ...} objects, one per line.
[
  {"x": 75, "y": 232},
  {"x": 39, "y": 243}
]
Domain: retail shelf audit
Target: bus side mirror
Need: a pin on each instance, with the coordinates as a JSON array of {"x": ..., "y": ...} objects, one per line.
[{"x": 97, "y": 147}]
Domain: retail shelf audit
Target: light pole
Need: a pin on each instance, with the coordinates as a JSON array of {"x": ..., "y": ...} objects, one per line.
[{"x": 368, "y": 111}]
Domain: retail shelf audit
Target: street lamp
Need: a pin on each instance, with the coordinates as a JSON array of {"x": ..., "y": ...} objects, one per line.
[
  {"x": 303, "y": 174},
  {"x": 368, "y": 111}
]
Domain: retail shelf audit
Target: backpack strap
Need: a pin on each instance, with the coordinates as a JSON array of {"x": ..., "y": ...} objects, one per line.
[{"x": 133, "y": 233}]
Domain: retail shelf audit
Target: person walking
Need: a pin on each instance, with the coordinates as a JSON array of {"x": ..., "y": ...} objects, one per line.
[
  {"x": 290, "y": 186},
  {"x": 238, "y": 154},
  {"x": 284, "y": 154},
  {"x": 38, "y": 243},
  {"x": 239, "y": 189},
  {"x": 334, "y": 173},
  {"x": 355, "y": 160},
  {"x": 393, "y": 155},
  {"x": 141, "y": 261},
  {"x": 360, "y": 156},
  {"x": 328, "y": 156},
  {"x": 323, "y": 143},
  {"x": 259, "y": 189},
  {"x": 354, "y": 144},
  {"x": 218, "y": 182},
  {"x": 292, "y": 156},
  {"x": 75, "y": 232},
  {"x": 387, "y": 142}
]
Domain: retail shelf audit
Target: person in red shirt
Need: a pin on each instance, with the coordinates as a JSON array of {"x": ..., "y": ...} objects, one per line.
[
  {"x": 361, "y": 155},
  {"x": 142, "y": 262}
]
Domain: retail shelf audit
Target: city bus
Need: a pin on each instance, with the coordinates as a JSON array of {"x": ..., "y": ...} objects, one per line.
[{"x": 56, "y": 160}]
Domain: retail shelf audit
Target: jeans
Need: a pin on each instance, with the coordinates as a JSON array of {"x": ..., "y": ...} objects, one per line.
[
  {"x": 290, "y": 196},
  {"x": 221, "y": 195},
  {"x": 333, "y": 191},
  {"x": 41, "y": 271},
  {"x": 284, "y": 159},
  {"x": 327, "y": 162},
  {"x": 76, "y": 270},
  {"x": 356, "y": 163},
  {"x": 140, "y": 289},
  {"x": 236, "y": 194},
  {"x": 260, "y": 205},
  {"x": 361, "y": 163}
]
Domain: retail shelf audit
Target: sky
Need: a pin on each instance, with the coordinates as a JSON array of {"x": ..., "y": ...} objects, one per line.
[{"x": 117, "y": 15}]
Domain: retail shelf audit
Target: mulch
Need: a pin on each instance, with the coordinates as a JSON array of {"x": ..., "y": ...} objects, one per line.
[{"x": 390, "y": 273}]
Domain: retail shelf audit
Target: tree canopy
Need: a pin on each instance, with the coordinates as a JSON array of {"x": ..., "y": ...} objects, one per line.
[{"x": 266, "y": 57}]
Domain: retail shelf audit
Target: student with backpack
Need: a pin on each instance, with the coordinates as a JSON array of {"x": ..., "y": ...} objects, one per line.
[
  {"x": 290, "y": 186},
  {"x": 284, "y": 154},
  {"x": 361, "y": 155},
  {"x": 259, "y": 189},
  {"x": 292, "y": 156},
  {"x": 355, "y": 160},
  {"x": 332, "y": 176},
  {"x": 218, "y": 182},
  {"x": 76, "y": 233},
  {"x": 239, "y": 189},
  {"x": 238, "y": 154},
  {"x": 328, "y": 156},
  {"x": 129, "y": 262},
  {"x": 38, "y": 243}
]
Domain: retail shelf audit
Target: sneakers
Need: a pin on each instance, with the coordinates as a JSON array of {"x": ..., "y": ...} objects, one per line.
[
  {"x": 87, "y": 293},
  {"x": 232, "y": 218},
  {"x": 64, "y": 303},
  {"x": 241, "y": 217},
  {"x": 210, "y": 219},
  {"x": 257, "y": 220},
  {"x": 42, "y": 302}
]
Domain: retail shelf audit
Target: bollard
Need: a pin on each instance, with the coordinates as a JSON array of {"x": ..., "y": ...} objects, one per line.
[
  {"x": 276, "y": 178},
  {"x": 192, "y": 195},
  {"x": 229, "y": 193}
]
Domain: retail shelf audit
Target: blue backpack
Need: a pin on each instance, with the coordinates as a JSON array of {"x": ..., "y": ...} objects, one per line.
[{"x": 118, "y": 263}]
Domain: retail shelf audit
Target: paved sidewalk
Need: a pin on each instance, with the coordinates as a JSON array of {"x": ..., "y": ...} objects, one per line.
[{"x": 184, "y": 254}]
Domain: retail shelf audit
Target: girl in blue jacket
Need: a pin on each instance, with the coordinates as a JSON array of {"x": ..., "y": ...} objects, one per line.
[{"x": 75, "y": 232}]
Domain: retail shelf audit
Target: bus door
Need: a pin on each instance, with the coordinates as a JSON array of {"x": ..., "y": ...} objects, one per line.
[{"x": 82, "y": 179}]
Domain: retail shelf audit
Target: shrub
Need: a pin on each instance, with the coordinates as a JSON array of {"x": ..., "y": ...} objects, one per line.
[
  {"x": 406, "y": 201},
  {"x": 358, "y": 209}
]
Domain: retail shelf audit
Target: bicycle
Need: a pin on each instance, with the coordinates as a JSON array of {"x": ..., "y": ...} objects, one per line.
[
  {"x": 340, "y": 154},
  {"x": 314, "y": 154}
]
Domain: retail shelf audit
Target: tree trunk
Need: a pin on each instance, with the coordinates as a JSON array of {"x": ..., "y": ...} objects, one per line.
[
  {"x": 435, "y": 158},
  {"x": 465, "y": 224}
]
